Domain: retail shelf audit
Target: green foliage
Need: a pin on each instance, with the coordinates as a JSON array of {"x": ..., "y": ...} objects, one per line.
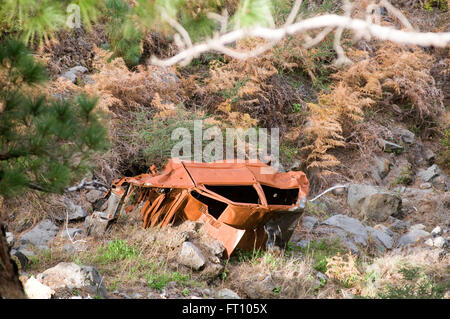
[
  {"x": 415, "y": 285},
  {"x": 444, "y": 155},
  {"x": 253, "y": 13},
  {"x": 125, "y": 39},
  {"x": 440, "y": 4},
  {"x": 405, "y": 177},
  {"x": 117, "y": 250},
  {"x": 152, "y": 135},
  {"x": 44, "y": 144},
  {"x": 160, "y": 280},
  {"x": 35, "y": 21}
]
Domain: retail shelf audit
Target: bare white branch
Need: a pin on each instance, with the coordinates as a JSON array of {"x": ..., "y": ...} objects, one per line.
[{"x": 358, "y": 26}]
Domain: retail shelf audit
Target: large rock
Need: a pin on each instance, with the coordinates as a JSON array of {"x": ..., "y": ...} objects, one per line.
[
  {"x": 71, "y": 275},
  {"x": 309, "y": 222},
  {"x": 381, "y": 237},
  {"x": 350, "y": 225},
  {"x": 34, "y": 289},
  {"x": 40, "y": 235},
  {"x": 412, "y": 237},
  {"x": 372, "y": 202},
  {"x": 93, "y": 195},
  {"x": 191, "y": 256}
]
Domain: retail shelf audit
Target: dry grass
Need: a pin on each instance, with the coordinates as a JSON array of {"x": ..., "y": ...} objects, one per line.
[{"x": 271, "y": 275}]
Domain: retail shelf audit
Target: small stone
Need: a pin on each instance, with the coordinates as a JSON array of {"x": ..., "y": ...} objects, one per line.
[
  {"x": 226, "y": 293},
  {"x": 429, "y": 156},
  {"x": 428, "y": 174},
  {"x": 436, "y": 231},
  {"x": 10, "y": 239},
  {"x": 412, "y": 237},
  {"x": 425, "y": 186},
  {"x": 309, "y": 222},
  {"x": 71, "y": 231},
  {"x": 439, "y": 242},
  {"x": 191, "y": 256},
  {"x": 34, "y": 289},
  {"x": 429, "y": 242},
  {"x": 441, "y": 183},
  {"x": 321, "y": 276},
  {"x": 405, "y": 135},
  {"x": 418, "y": 227},
  {"x": 381, "y": 167},
  {"x": 397, "y": 224}
]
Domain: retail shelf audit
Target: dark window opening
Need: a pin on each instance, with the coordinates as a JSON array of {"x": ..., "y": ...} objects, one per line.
[
  {"x": 238, "y": 194},
  {"x": 215, "y": 207},
  {"x": 278, "y": 196}
]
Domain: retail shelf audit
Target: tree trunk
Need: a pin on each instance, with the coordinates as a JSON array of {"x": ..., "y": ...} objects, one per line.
[{"x": 10, "y": 285}]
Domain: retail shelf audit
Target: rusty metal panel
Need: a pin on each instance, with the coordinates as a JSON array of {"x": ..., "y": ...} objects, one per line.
[{"x": 239, "y": 203}]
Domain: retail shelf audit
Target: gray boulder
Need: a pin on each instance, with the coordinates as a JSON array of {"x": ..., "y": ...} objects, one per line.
[
  {"x": 429, "y": 156},
  {"x": 71, "y": 275},
  {"x": 397, "y": 224},
  {"x": 191, "y": 256},
  {"x": 381, "y": 237},
  {"x": 350, "y": 225},
  {"x": 75, "y": 212},
  {"x": 73, "y": 73},
  {"x": 441, "y": 182},
  {"x": 412, "y": 237},
  {"x": 40, "y": 235},
  {"x": 372, "y": 202},
  {"x": 428, "y": 174},
  {"x": 405, "y": 135},
  {"x": 93, "y": 195},
  {"x": 309, "y": 222}
]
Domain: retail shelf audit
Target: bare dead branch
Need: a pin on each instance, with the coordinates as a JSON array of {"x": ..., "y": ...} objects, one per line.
[{"x": 362, "y": 28}]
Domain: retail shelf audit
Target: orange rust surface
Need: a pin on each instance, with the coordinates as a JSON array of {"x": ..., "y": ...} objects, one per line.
[{"x": 183, "y": 191}]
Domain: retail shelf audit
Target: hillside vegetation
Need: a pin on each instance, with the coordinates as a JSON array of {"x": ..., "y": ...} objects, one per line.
[{"x": 85, "y": 102}]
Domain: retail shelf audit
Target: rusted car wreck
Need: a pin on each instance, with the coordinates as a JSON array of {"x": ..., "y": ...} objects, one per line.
[{"x": 244, "y": 205}]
